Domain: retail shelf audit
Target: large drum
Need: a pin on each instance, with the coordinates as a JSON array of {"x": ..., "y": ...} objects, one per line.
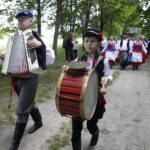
[{"x": 77, "y": 92}]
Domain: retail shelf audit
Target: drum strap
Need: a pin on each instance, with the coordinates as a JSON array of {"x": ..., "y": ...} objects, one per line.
[{"x": 98, "y": 61}]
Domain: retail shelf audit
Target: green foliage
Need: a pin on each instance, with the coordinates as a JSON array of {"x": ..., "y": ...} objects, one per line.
[{"x": 115, "y": 16}]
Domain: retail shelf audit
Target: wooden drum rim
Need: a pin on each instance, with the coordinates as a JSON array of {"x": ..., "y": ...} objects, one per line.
[
  {"x": 82, "y": 96},
  {"x": 58, "y": 90}
]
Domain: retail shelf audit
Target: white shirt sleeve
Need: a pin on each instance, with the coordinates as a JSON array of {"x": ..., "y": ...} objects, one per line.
[
  {"x": 118, "y": 44},
  {"x": 107, "y": 71},
  {"x": 105, "y": 47},
  {"x": 50, "y": 55},
  {"x": 131, "y": 47},
  {"x": 144, "y": 49}
]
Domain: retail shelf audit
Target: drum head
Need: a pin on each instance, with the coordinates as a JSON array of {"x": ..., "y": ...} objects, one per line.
[
  {"x": 78, "y": 65},
  {"x": 91, "y": 96}
]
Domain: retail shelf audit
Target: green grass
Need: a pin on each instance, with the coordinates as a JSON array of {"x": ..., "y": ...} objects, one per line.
[
  {"x": 7, "y": 116},
  {"x": 4, "y": 83},
  {"x": 62, "y": 139},
  {"x": 115, "y": 75},
  {"x": 48, "y": 81}
]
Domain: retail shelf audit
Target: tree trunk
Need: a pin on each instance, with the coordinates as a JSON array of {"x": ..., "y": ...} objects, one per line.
[
  {"x": 71, "y": 12},
  {"x": 111, "y": 27},
  {"x": 57, "y": 25},
  {"x": 74, "y": 16},
  {"x": 102, "y": 16},
  {"x": 39, "y": 16},
  {"x": 87, "y": 17}
]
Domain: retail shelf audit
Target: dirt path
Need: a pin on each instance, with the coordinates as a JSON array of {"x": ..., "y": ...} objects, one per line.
[{"x": 125, "y": 126}]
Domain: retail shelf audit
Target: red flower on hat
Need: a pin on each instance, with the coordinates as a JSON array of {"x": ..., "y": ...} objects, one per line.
[{"x": 100, "y": 34}]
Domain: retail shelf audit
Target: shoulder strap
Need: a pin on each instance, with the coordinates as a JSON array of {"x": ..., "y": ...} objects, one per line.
[{"x": 98, "y": 61}]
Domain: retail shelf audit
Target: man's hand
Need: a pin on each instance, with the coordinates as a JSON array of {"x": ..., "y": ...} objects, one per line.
[
  {"x": 64, "y": 68},
  {"x": 104, "y": 81},
  {"x": 33, "y": 43},
  {"x": 2, "y": 56}
]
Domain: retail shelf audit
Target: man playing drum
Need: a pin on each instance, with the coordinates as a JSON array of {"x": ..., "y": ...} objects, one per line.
[{"x": 92, "y": 40}]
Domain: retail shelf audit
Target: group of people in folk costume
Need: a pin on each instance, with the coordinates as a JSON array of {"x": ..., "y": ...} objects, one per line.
[{"x": 125, "y": 51}]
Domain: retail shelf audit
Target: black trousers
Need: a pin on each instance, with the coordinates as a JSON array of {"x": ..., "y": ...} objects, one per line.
[
  {"x": 69, "y": 54},
  {"x": 74, "y": 54},
  {"x": 124, "y": 60},
  {"x": 77, "y": 126},
  {"x": 27, "y": 90}
]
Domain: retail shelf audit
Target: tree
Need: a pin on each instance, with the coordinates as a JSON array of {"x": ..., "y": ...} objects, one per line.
[
  {"x": 37, "y": 6},
  {"x": 57, "y": 25}
]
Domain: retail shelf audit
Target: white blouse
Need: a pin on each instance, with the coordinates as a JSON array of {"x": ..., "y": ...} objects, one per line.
[
  {"x": 124, "y": 45},
  {"x": 107, "y": 71}
]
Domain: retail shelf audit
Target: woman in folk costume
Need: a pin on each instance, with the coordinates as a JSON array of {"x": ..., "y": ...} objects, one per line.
[
  {"x": 138, "y": 53},
  {"x": 111, "y": 52},
  {"x": 92, "y": 40}
]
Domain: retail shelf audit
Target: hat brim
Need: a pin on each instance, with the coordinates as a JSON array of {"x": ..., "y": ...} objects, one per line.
[
  {"x": 92, "y": 35},
  {"x": 17, "y": 17}
]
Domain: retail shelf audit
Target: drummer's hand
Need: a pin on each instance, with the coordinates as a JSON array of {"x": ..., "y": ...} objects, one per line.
[
  {"x": 64, "y": 67},
  {"x": 104, "y": 80},
  {"x": 33, "y": 43},
  {"x": 2, "y": 56}
]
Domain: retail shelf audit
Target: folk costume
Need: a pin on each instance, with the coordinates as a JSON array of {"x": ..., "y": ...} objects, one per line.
[
  {"x": 139, "y": 54},
  {"x": 124, "y": 46},
  {"x": 111, "y": 52},
  {"x": 26, "y": 86},
  {"x": 77, "y": 123}
]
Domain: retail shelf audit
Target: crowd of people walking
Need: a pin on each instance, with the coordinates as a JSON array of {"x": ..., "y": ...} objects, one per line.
[
  {"x": 123, "y": 50},
  {"x": 126, "y": 50}
]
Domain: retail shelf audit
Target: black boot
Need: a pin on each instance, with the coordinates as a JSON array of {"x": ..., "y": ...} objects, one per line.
[
  {"x": 36, "y": 116},
  {"x": 76, "y": 145},
  {"x": 18, "y": 133},
  {"x": 94, "y": 138}
]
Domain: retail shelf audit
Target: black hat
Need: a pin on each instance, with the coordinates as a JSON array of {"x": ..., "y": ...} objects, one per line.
[
  {"x": 93, "y": 32},
  {"x": 24, "y": 13}
]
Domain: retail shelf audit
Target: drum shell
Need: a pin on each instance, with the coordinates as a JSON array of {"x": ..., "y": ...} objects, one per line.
[{"x": 73, "y": 92}]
